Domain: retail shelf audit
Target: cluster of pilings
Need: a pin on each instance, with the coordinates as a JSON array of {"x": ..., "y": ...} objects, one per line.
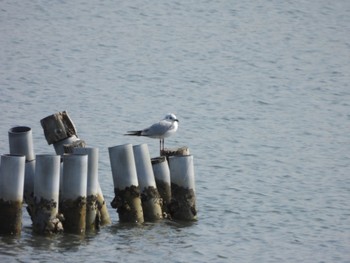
[
  {"x": 152, "y": 189},
  {"x": 62, "y": 191}
]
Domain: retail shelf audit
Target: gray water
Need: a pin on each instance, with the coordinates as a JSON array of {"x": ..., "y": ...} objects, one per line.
[{"x": 261, "y": 89}]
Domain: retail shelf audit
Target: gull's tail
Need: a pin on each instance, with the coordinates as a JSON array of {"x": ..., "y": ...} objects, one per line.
[{"x": 134, "y": 133}]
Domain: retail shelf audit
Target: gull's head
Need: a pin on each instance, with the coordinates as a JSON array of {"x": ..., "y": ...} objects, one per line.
[{"x": 171, "y": 117}]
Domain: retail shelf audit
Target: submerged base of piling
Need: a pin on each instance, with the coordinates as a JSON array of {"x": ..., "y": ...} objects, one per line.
[
  {"x": 151, "y": 204},
  {"x": 183, "y": 204},
  {"x": 128, "y": 204},
  {"x": 29, "y": 200},
  {"x": 74, "y": 212},
  {"x": 92, "y": 217},
  {"x": 10, "y": 217},
  {"x": 45, "y": 218},
  {"x": 103, "y": 214},
  {"x": 164, "y": 191}
]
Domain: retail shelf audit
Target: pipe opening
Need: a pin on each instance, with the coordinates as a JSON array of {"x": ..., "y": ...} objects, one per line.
[{"x": 20, "y": 129}]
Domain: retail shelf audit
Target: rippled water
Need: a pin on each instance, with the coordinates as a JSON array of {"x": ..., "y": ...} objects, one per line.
[{"x": 262, "y": 93}]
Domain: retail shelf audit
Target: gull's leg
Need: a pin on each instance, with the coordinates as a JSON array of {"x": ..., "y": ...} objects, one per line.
[{"x": 160, "y": 147}]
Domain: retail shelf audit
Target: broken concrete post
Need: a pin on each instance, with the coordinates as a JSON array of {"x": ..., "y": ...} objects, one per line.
[{"x": 58, "y": 127}]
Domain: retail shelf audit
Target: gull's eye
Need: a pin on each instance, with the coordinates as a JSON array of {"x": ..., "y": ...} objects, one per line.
[{"x": 170, "y": 117}]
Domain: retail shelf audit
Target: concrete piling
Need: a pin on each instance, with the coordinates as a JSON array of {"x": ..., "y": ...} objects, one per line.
[
  {"x": 150, "y": 198},
  {"x": 21, "y": 143},
  {"x": 127, "y": 199},
  {"x": 183, "y": 203},
  {"x": 162, "y": 178},
  {"x": 60, "y": 130},
  {"x": 92, "y": 216},
  {"x": 11, "y": 193},
  {"x": 73, "y": 201},
  {"x": 58, "y": 127},
  {"x": 46, "y": 219}
]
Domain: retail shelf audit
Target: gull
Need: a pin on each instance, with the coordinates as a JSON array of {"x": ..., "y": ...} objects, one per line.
[{"x": 160, "y": 130}]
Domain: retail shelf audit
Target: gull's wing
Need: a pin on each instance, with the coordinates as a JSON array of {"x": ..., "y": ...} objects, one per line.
[{"x": 157, "y": 130}]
